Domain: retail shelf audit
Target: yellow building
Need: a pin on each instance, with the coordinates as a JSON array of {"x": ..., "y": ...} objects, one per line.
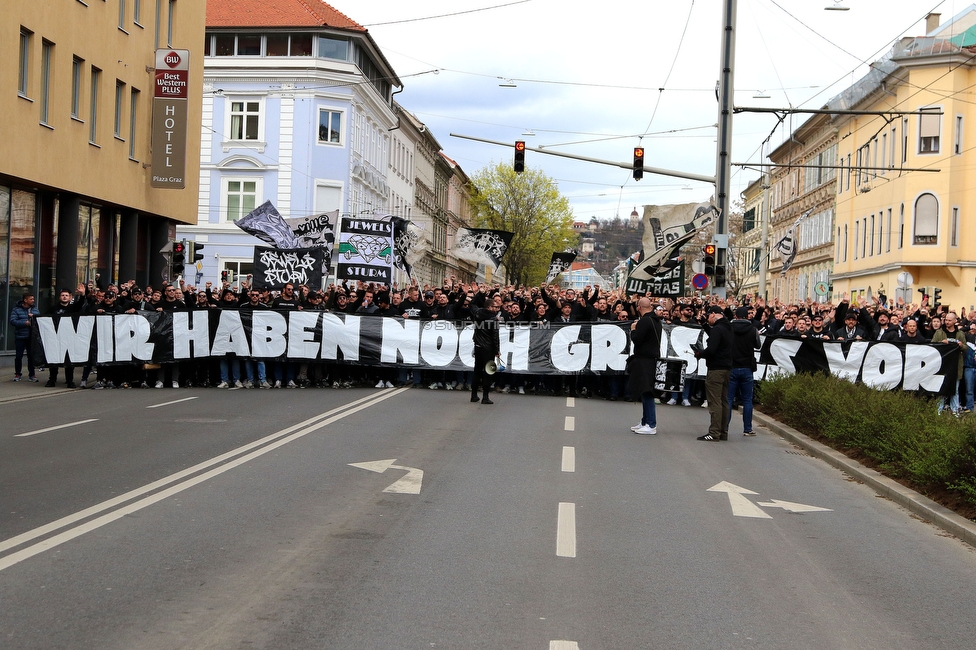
[
  {"x": 76, "y": 95},
  {"x": 905, "y": 200}
]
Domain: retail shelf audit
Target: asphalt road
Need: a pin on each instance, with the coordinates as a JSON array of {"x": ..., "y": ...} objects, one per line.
[{"x": 234, "y": 519}]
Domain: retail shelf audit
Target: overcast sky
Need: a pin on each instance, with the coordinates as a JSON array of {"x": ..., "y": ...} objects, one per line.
[{"x": 589, "y": 75}]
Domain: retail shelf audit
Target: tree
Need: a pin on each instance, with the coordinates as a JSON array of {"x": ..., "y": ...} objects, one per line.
[{"x": 529, "y": 205}]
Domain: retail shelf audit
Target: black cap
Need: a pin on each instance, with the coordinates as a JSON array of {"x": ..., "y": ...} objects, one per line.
[
  {"x": 429, "y": 294},
  {"x": 742, "y": 312},
  {"x": 851, "y": 313},
  {"x": 715, "y": 309}
]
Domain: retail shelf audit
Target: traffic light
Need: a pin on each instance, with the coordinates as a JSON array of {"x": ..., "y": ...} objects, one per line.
[
  {"x": 638, "y": 163},
  {"x": 193, "y": 254},
  {"x": 224, "y": 276},
  {"x": 519, "y": 164},
  {"x": 178, "y": 261},
  {"x": 708, "y": 259},
  {"x": 936, "y": 298}
]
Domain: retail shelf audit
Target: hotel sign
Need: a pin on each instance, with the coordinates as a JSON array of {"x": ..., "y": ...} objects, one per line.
[{"x": 170, "y": 99}]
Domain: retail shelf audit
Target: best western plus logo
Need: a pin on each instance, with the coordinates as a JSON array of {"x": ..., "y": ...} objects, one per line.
[{"x": 172, "y": 59}]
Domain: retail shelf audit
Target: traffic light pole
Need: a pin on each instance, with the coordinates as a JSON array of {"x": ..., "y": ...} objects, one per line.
[
  {"x": 629, "y": 166},
  {"x": 723, "y": 166}
]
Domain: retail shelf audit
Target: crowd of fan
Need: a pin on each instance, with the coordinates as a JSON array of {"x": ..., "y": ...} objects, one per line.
[{"x": 547, "y": 303}]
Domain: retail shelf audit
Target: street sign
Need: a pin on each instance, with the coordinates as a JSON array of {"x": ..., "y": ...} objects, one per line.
[
  {"x": 821, "y": 288},
  {"x": 699, "y": 281}
]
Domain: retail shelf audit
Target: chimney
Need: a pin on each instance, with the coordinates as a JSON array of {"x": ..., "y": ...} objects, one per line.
[{"x": 932, "y": 23}]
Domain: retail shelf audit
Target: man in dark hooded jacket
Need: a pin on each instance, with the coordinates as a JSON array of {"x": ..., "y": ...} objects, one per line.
[
  {"x": 486, "y": 345},
  {"x": 718, "y": 357},
  {"x": 745, "y": 342}
]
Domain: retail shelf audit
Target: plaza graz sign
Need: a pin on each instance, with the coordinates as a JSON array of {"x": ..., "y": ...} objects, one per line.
[
  {"x": 171, "y": 93},
  {"x": 550, "y": 349}
]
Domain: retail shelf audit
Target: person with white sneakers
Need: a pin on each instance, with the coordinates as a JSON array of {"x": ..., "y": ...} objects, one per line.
[{"x": 645, "y": 350}]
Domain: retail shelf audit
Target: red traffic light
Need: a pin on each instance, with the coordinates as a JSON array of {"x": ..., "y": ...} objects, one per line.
[
  {"x": 638, "y": 163},
  {"x": 178, "y": 247},
  {"x": 708, "y": 249},
  {"x": 519, "y": 164}
]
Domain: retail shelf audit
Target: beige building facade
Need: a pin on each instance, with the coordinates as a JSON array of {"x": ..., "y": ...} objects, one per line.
[{"x": 76, "y": 95}]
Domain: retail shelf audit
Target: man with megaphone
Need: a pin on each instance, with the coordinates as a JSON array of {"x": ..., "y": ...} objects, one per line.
[{"x": 486, "y": 342}]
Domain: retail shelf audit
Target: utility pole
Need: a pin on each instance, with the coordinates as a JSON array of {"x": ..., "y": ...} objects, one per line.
[{"x": 723, "y": 167}]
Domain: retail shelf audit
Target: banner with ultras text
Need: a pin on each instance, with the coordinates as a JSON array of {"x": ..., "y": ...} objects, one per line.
[{"x": 549, "y": 349}]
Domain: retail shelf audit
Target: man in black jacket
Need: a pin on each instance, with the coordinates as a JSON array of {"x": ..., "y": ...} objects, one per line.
[
  {"x": 718, "y": 357},
  {"x": 486, "y": 346},
  {"x": 645, "y": 350},
  {"x": 745, "y": 342}
]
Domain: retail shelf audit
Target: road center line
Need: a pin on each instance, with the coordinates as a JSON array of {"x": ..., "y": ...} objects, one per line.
[
  {"x": 570, "y": 402},
  {"x": 565, "y": 531},
  {"x": 570, "y": 423},
  {"x": 563, "y": 645},
  {"x": 13, "y": 542},
  {"x": 569, "y": 459},
  {"x": 60, "y": 426},
  {"x": 175, "y": 401}
]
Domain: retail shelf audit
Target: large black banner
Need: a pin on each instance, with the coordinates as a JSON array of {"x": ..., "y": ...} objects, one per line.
[{"x": 161, "y": 337}]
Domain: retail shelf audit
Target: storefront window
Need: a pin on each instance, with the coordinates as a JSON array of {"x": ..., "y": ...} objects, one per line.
[
  {"x": 17, "y": 218},
  {"x": 89, "y": 222}
]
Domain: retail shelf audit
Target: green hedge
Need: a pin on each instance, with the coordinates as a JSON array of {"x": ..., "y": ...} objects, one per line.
[{"x": 899, "y": 431}]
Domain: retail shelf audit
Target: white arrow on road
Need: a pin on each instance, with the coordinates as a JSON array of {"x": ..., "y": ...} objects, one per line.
[
  {"x": 741, "y": 506},
  {"x": 792, "y": 507},
  {"x": 409, "y": 484}
]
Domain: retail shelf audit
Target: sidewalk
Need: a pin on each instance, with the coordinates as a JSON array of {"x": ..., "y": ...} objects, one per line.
[
  {"x": 937, "y": 515},
  {"x": 17, "y": 390}
]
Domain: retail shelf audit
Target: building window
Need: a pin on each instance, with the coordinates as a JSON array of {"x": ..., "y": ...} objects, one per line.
[
  {"x": 133, "y": 121},
  {"x": 845, "y": 242},
  {"x": 333, "y": 48},
  {"x": 23, "y": 76},
  {"x": 888, "y": 233},
  {"x": 954, "y": 228},
  {"x": 119, "y": 100},
  {"x": 330, "y": 126},
  {"x": 248, "y": 45},
  {"x": 901, "y": 226},
  {"x": 96, "y": 75},
  {"x": 894, "y": 140},
  {"x": 47, "y": 51},
  {"x": 871, "y": 247},
  {"x": 240, "y": 198},
  {"x": 76, "y": 65},
  {"x": 136, "y": 11},
  {"x": 122, "y": 15},
  {"x": 926, "y": 220},
  {"x": 245, "y": 119},
  {"x": 929, "y": 127},
  {"x": 904, "y": 141},
  {"x": 957, "y": 145}
]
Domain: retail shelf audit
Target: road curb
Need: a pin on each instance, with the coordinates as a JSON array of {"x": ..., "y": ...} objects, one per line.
[{"x": 914, "y": 502}]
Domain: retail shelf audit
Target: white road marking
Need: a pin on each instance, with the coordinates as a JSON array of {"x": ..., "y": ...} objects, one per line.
[
  {"x": 296, "y": 430},
  {"x": 570, "y": 402},
  {"x": 570, "y": 423},
  {"x": 792, "y": 507},
  {"x": 566, "y": 530},
  {"x": 563, "y": 645},
  {"x": 60, "y": 426},
  {"x": 569, "y": 459},
  {"x": 741, "y": 506},
  {"x": 175, "y": 401},
  {"x": 409, "y": 484}
]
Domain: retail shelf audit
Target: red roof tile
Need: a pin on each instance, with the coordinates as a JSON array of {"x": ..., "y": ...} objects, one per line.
[{"x": 277, "y": 13}]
